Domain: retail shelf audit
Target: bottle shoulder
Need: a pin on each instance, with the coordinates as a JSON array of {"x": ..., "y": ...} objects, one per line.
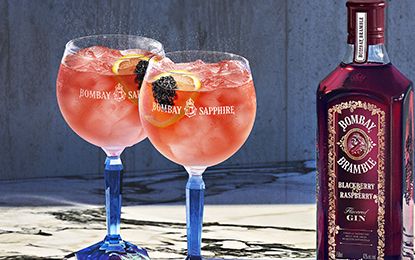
[{"x": 380, "y": 79}]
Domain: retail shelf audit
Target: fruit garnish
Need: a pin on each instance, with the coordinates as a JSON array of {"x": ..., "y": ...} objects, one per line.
[
  {"x": 186, "y": 80},
  {"x": 166, "y": 83},
  {"x": 130, "y": 64},
  {"x": 163, "y": 122},
  {"x": 126, "y": 65},
  {"x": 164, "y": 89},
  {"x": 140, "y": 70}
]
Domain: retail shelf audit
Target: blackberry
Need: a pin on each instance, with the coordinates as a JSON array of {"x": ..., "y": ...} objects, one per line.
[
  {"x": 164, "y": 90},
  {"x": 140, "y": 71}
]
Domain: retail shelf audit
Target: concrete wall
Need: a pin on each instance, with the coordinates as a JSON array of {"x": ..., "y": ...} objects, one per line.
[{"x": 291, "y": 45}]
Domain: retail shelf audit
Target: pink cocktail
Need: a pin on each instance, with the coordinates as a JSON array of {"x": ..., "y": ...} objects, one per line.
[
  {"x": 97, "y": 90},
  {"x": 98, "y": 104},
  {"x": 205, "y": 126},
  {"x": 197, "y": 108}
]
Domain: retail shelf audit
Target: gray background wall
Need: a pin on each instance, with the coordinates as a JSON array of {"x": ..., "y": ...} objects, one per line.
[{"x": 291, "y": 44}]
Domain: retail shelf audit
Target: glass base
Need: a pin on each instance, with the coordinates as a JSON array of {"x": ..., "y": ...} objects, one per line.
[
  {"x": 111, "y": 249},
  {"x": 192, "y": 257}
]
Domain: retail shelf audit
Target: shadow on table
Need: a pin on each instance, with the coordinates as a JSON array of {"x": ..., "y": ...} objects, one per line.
[{"x": 287, "y": 183}]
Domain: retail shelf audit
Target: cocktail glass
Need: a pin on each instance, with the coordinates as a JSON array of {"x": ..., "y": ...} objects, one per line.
[
  {"x": 197, "y": 108},
  {"x": 97, "y": 91}
]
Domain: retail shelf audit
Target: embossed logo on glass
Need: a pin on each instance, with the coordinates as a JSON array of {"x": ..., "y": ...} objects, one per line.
[
  {"x": 119, "y": 93},
  {"x": 190, "y": 109}
]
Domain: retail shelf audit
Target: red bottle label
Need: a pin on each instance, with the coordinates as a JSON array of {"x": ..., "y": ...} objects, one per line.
[{"x": 356, "y": 187}]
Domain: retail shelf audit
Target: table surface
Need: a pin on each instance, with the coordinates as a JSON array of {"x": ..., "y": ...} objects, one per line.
[{"x": 264, "y": 212}]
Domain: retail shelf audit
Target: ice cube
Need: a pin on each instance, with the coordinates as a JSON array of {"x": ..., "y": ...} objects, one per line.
[
  {"x": 234, "y": 73},
  {"x": 99, "y": 52},
  {"x": 215, "y": 140},
  {"x": 115, "y": 111},
  {"x": 127, "y": 130},
  {"x": 213, "y": 99},
  {"x": 213, "y": 67},
  {"x": 97, "y": 59},
  {"x": 186, "y": 151},
  {"x": 164, "y": 65},
  {"x": 97, "y": 123}
]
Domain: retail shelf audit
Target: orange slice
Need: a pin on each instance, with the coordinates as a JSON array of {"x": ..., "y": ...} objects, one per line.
[
  {"x": 126, "y": 64},
  {"x": 186, "y": 81},
  {"x": 188, "y": 84},
  {"x": 124, "y": 68}
]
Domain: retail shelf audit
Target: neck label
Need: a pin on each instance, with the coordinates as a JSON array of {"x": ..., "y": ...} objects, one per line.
[{"x": 360, "y": 52}]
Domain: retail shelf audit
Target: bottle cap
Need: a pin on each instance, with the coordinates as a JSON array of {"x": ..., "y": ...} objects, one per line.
[{"x": 369, "y": 14}]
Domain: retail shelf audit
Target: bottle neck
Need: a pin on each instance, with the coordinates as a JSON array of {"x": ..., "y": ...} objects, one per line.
[{"x": 375, "y": 54}]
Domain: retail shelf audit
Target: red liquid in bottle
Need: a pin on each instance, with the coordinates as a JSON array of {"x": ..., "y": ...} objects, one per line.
[{"x": 365, "y": 154}]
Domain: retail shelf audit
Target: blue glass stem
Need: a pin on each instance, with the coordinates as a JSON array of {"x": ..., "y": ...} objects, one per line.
[
  {"x": 113, "y": 247},
  {"x": 195, "y": 190},
  {"x": 113, "y": 196}
]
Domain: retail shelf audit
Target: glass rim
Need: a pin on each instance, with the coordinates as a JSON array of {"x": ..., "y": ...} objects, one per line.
[
  {"x": 236, "y": 57},
  {"x": 71, "y": 47},
  {"x": 245, "y": 60}
]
